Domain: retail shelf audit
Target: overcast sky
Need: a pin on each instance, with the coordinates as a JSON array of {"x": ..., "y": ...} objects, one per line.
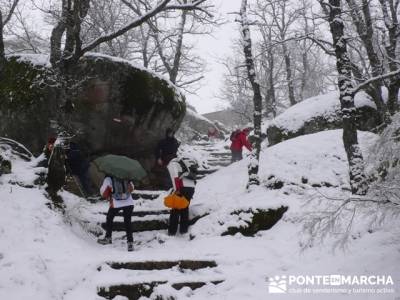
[{"x": 213, "y": 49}]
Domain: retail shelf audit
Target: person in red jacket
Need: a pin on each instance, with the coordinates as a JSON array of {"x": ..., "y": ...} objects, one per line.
[{"x": 239, "y": 139}]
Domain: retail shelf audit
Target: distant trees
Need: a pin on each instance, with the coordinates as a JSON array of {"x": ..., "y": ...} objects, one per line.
[
  {"x": 290, "y": 65},
  {"x": 160, "y": 43}
]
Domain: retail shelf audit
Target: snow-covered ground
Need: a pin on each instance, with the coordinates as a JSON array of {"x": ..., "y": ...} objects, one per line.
[{"x": 46, "y": 255}]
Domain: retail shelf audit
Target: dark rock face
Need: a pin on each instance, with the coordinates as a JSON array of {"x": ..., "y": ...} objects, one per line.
[
  {"x": 120, "y": 109},
  {"x": 261, "y": 220},
  {"x": 367, "y": 120}
]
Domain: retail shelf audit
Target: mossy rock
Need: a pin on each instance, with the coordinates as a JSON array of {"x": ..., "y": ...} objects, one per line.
[{"x": 261, "y": 220}]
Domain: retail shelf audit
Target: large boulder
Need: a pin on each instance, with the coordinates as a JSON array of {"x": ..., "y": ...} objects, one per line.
[
  {"x": 320, "y": 113},
  {"x": 120, "y": 108}
]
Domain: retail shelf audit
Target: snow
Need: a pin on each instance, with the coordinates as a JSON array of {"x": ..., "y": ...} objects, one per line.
[
  {"x": 42, "y": 60},
  {"x": 327, "y": 106},
  {"x": 48, "y": 255}
]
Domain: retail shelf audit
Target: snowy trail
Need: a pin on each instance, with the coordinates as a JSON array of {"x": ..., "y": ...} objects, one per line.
[{"x": 51, "y": 256}]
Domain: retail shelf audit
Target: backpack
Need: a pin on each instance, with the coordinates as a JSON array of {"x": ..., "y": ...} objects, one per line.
[
  {"x": 191, "y": 167},
  {"x": 234, "y": 135},
  {"x": 120, "y": 189}
]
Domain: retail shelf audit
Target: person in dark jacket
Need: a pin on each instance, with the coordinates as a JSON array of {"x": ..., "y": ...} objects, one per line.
[
  {"x": 167, "y": 148},
  {"x": 78, "y": 166},
  {"x": 239, "y": 139}
]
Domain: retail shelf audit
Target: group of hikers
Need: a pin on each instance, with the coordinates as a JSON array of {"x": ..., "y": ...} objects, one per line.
[{"x": 181, "y": 181}]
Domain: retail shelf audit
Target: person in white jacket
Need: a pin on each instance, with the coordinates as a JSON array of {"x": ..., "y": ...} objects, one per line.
[
  {"x": 184, "y": 182},
  {"x": 118, "y": 193}
]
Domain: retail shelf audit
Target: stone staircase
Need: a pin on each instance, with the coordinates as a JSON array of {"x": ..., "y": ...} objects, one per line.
[
  {"x": 141, "y": 278},
  {"x": 135, "y": 279},
  {"x": 149, "y": 213},
  {"x": 215, "y": 156}
]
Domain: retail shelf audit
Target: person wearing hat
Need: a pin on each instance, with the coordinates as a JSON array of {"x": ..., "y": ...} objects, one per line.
[
  {"x": 239, "y": 139},
  {"x": 166, "y": 150}
]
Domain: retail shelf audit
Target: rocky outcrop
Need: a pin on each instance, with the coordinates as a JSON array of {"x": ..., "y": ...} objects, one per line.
[
  {"x": 261, "y": 220},
  {"x": 318, "y": 114},
  {"x": 196, "y": 127},
  {"x": 120, "y": 108}
]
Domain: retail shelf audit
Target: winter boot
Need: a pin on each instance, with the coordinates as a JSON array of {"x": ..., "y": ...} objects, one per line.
[
  {"x": 130, "y": 246},
  {"x": 105, "y": 241}
]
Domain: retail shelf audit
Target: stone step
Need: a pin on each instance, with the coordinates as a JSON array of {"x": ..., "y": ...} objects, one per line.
[
  {"x": 163, "y": 265},
  {"x": 213, "y": 160},
  {"x": 144, "y": 213},
  {"x": 207, "y": 171},
  {"x": 219, "y": 154},
  {"x": 147, "y": 225},
  {"x": 140, "y": 226},
  {"x": 145, "y": 289},
  {"x": 219, "y": 163},
  {"x": 147, "y": 195}
]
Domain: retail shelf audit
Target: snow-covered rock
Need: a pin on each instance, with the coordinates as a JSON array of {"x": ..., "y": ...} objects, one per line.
[
  {"x": 121, "y": 108},
  {"x": 320, "y": 113}
]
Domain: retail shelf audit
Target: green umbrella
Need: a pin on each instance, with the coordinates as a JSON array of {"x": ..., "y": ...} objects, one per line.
[{"x": 121, "y": 167}]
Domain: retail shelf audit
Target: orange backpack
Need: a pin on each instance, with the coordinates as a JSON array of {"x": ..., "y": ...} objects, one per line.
[{"x": 176, "y": 202}]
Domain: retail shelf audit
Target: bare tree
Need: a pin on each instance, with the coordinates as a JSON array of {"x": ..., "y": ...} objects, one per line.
[
  {"x": 7, "y": 9},
  {"x": 358, "y": 181},
  {"x": 236, "y": 88},
  {"x": 257, "y": 97}
]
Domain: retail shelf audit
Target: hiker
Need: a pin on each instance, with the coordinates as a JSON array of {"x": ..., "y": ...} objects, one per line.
[
  {"x": 239, "y": 139},
  {"x": 166, "y": 150},
  {"x": 183, "y": 175},
  {"x": 48, "y": 149},
  {"x": 78, "y": 165},
  {"x": 213, "y": 133},
  {"x": 118, "y": 193}
]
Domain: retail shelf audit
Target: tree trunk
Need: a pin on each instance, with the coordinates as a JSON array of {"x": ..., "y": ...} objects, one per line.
[
  {"x": 289, "y": 78},
  {"x": 363, "y": 24},
  {"x": 2, "y": 54},
  {"x": 257, "y": 98},
  {"x": 178, "y": 50},
  {"x": 391, "y": 23},
  {"x": 271, "y": 88},
  {"x": 358, "y": 180}
]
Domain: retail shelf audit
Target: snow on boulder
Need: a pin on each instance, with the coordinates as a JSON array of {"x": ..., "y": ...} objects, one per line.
[
  {"x": 315, "y": 160},
  {"x": 320, "y": 113},
  {"x": 120, "y": 108}
]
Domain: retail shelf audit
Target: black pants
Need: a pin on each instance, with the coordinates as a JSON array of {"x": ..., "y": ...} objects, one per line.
[
  {"x": 180, "y": 216},
  {"x": 236, "y": 155},
  {"x": 127, "y": 212}
]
